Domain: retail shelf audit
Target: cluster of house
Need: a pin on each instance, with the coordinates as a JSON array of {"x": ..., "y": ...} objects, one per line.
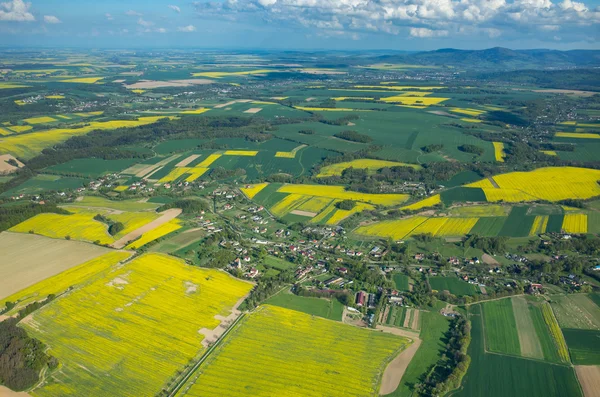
[
  {"x": 378, "y": 252},
  {"x": 465, "y": 261},
  {"x": 207, "y": 224}
]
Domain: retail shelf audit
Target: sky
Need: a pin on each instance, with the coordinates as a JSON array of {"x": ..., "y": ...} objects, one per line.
[{"x": 301, "y": 24}]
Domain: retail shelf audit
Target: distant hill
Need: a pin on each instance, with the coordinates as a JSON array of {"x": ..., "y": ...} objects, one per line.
[{"x": 498, "y": 58}]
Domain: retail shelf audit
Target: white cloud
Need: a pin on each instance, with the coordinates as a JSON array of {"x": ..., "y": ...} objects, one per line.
[
  {"x": 424, "y": 32},
  {"x": 161, "y": 30},
  {"x": 16, "y": 11},
  {"x": 132, "y": 13},
  {"x": 108, "y": 16},
  {"x": 267, "y": 3},
  {"x": 51, "y": 19},
  {"x": 189, "y": 28},
  {"x": 175, "y": 8},
  {"x": 144, "y": 23},
  {"x": 573, "y": 5}
]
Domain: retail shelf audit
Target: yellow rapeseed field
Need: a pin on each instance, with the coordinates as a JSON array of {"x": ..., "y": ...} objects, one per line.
[
  {"x": 61, "y": 282},
  {"x": 295, "y": 354},
  {"x": 428, "y": 202},
  {"x": 20, "y": 128},
  {"x": 345, "y": 98},
  {"x": 290, "y": 155},
  {"x": 550, "y": 152},
  {"x": 499, "y": 151},
  {"x": 396, "y": 229},
  {"x": 4, "y": 132},
  {"x": 414, "y": 101},
  {"x": 175, "y": 173},
  {"x": 83, "y": 80},
  {"x": 195, "y": 111},
  {"x": 162, "y": 230},
  {"x": 369, "y": 164},
  {"x": 5, "y": 86},
  {"x": 469, "y": 120},
  {"x": 313, "y": 109},
  {"x": 79, "y": 226},
  {"x": 539, "y": 225},
  {"x": 249, "y": 153},
  {"x": 29, "y": 145},
  {"x": 39, "y": 120},
  {"x": 315, "y": 204},
  {"x": 55, "y": 97},
  {"x": 550, "y": 183},
  {"x": 404, "y": 228},
  {"x": 208, "y": 161},
  {"x": 400, "y": 88},
  {"x": 338, "y": 192},
  {"x": 253, "y": 190},
  {"x": 325, "y": 213},
  {"x": 340, "y": 215},
  {"x": 138, "y": 91},
  {"x": 288, "y": 203},
  {"x": 582, "y": 135},
  {"x": 131, "y": 327},
  {"x": 121, "y": 188},
  {"x": 575, "y": 223},
  {"x": 468, "y": 111}
]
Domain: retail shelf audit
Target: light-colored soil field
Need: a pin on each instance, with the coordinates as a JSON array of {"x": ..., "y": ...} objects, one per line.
[
  {"x": 489, "y": 260},
  {"x": 6, "y": 168},
  {"x": 303, "y": 213},
  {"x": 253, "y": 110},
  {"x": 589, "y": 378},
  {"x": 415, "y": 321},
  {"x": 576, "y": 311},
  {"x": 528, "y": 340},
  {"x": 165, "y": 217},
  {"x": 6, "y": 392},
  {"x": 31, "y": 259},
  {"x": 187, "y": 160}
]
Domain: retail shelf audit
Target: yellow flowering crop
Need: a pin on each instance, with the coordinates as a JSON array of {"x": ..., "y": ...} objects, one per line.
[
  {"x": 539, "y": 225},
  {"x": 83, "y": 80},
  {"x": 55, "y": 97},
  {"x": 209, "y": 160},
  {"x": 338, "y": 192},
  {"x": 132, "y": 326},
  {"x": 218, "y": 75},
  {"x": 550, "y": 152},
  {"x": 581, "y": 135},
  {"x": 162, "y": 230},
  {"x": 469, "y": 120},
  {"x": 404, "y": 228},
  {"x": 369, "y": 164},
  {"x": 325, "y": 213},
  {"x": 282, "y": 352},
  {"x": 20, "y": 128},
  {"x": 468, "y": 111},
  {"x": 249, "y": 153},
  {"x": 39, "y": 120},
  {"x": 414, "y": 101},
  {"x": 253, "y": 190},
  {"x": 499, "y": 151},
  {"x": 290, "y": 155},
  {"x": 315, "y": 204},
  {"x": 313, "y": 109},
  {"x": 288, "y": 203},
  {"x": 428, "y": 202},
  {"x": 575, "y": 223},
  {"x": 195, "y": 111},
  {"x": 340, "y": 215}
]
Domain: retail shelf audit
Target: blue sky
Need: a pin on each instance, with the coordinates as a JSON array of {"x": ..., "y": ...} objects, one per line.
[{"x": 302, "y": 24}]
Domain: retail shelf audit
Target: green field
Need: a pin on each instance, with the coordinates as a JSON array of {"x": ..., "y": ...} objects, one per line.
[
  {"x": 121, "y": 205},
  {"x": 576, "y": 311},
  {"x": 44, "y": 183},
  {"x": 278, "y": 263},
  {"x": 501, "y": 334},
  {"x": 495, "y": 375},
  {"x": 462, "y": 194},
  {"x": 489, "y": 226},
  {"x": 584, "y": 345},
  {"x": 433, "y": 327},
  {"x": 292, "y": 353},
  {"x": 549, "y": 348},
  {"x": 518, "y": 223},
  {"x": 326, "y": 308},
  {"x": 401, "y": 281},
  {"x": 453, "y": 284},
  {"x": 91, "y": 167}
]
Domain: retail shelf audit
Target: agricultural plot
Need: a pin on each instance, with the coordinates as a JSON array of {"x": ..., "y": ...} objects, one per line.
[
  {"x": 462, "y": 194},
  {"x": 518, "y": 224},
  {"x": 576, "y": 311},
  {"x": 146, "y": 311},
  {"x": 499, "y": 151},
  {"x": 404, "y": 317},
  {"x": 489, "y": 226},
  {"x": 496, "y": 375},
  {"x": 584, "y": 345},
  {"x": 492, "y": 210},
  {"x": 91, "y": 167},
  {"x": 119, "y": 205},
  {"x": 401, "y": 281},
  {"x": 428, "y": 202},
  {"x": 551, "y": 183},
  {"x": 327, "y": 308},
  {"x": 290, "y": 340},
  {"x": 156, "y": 233},
  {"x": 368, "y": 164},
  {"x": 452, "y": 284},
  {"x": 29, "y": 145},
  {"x": 575, "y": 223},
  {"x": 35, "y": 258},
  {"x": 252, "y": 190},
  {"x": 501, "y": 334},
  {"x": 404, "y": 228},
  {"x": 46, "y": 183}
]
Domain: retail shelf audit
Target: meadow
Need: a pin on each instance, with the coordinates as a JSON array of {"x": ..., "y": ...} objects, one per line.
[
  {"x": 91, "y": 167},
  {"x": 401, "y": 281},
  {"x": 496, "y": 375},
  {"x": 148, "y": 310},
  {"x": 501, "y": 334},
  {"x": 290, "y": 340},
  {"x": 453, "y": 284},
  {"x": 576, "y": 311},
  {"x": 326, "y": 308}
]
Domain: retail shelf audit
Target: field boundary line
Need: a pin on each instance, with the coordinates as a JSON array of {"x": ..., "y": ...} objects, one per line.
[{"x": 204, "y": 357}]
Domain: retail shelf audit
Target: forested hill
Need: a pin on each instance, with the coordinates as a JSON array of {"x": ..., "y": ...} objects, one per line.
[{"x": 498, "y": 58}]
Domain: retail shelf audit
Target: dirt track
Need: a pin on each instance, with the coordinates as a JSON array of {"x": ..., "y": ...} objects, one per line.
[
  {"x": 165, "y": 217},
  {"x": 395, "y": 370},
  {"x": 6, "y": 392}
]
